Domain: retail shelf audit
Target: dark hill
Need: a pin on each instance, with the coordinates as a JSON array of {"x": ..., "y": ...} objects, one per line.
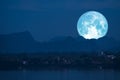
[{"x": 24, "y": 43}]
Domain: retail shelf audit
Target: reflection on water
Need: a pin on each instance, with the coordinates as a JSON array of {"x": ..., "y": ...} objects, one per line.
[{"x": 60, "y": 75}]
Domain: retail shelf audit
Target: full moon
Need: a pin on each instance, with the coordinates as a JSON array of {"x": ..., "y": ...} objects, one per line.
[{"x": 92, "y": 25}]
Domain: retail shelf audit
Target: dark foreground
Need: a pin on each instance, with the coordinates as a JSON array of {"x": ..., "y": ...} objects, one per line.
[
  {"x": 59, "y": 61},
  {"x": 60, "y": 75}
]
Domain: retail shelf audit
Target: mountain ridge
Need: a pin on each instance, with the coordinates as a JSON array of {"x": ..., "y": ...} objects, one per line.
[{"x": 24, "y": 43}]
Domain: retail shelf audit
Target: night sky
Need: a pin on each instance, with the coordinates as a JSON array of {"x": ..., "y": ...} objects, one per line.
[{"x": 46, "y": 19}]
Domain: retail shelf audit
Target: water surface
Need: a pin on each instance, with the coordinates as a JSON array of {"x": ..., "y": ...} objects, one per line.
[{"x": 60, "y": 75}]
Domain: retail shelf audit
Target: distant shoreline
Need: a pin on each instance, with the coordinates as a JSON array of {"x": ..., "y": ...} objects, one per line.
[{"x": 60, "y": 61}]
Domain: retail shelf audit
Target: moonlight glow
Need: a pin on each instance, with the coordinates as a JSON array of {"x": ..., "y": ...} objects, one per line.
[{"x": 92, "y": 25}]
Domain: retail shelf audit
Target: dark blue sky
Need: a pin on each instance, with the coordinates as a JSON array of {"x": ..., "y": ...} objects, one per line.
[{"x": 46, "y": 19}]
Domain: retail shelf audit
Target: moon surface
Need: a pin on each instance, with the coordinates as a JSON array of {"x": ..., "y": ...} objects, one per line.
[{"x": 92, "y": 25}]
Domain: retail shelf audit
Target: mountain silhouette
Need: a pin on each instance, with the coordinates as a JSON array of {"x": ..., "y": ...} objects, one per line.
[
  {"x": 16, "y": 42},
  {"x": 23, "y": 42}
]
